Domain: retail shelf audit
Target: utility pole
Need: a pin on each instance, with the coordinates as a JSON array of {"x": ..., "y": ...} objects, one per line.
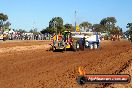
[{"x": 75, "y": 21}]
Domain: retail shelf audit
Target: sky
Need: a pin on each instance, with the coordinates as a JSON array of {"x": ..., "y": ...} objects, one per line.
[{"x": 28, "y": 14}]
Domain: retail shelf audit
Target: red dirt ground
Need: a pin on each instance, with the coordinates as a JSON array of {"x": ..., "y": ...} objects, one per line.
[{"x": 27, "y": 64}]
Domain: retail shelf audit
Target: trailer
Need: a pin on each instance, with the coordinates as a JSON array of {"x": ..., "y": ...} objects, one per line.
[
  {"x": 92, "y": 39},
  {"x": 93, "y": 42}
]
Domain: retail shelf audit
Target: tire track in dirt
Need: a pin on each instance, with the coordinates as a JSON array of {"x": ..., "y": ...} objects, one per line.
[
  {"x": 43, "y": 69},
  {"x": 67, "y": 74}
]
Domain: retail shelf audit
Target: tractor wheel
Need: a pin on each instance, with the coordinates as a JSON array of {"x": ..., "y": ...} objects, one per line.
[
  {"x": 75, "y": 46},
  {"x": 53, "y": 48},
  {"x": 4, "y": 39},
  {"x": 82, "y": 47},
  {"x": 91, "y": 46},
  {"x": 64, "y": 48},
  {"x": 95, "y": 46},
  {"x": 86, "y": 44}
]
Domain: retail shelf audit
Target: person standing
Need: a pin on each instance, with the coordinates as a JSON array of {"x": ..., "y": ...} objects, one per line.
[{"x": 54, "y": 38}]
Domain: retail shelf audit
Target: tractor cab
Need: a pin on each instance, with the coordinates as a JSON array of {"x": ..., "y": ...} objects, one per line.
[
  {"x": 57, "y": 42},
  {"x": 62, "y": 42}
]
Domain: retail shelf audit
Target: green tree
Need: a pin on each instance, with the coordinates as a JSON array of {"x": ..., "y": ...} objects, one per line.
[
  {"x": 22, "y": 31},
  {"x": 120, "y": 30},
  {"x": 108, "y": 23},
  {"x": 31, "y": 31},
  {"x": 97, "y": 28},
  {"x": 44, "y": 31},
  {"x": 7, "y": 23},
  {"x": 115, "y": 31},
  {"x": 48, "y": 30},
  {"x": 129, "y": 26},
  {"x": 129, "y": 31},
  {"x": 56, "y": 24},
  {"x": 85, "y": 25},
  {"x": 69, "y": 27},
  {"x": 6, "y": 26},
  {"x": 3, "y": 18},
  {"x": 34, "y": 31}
]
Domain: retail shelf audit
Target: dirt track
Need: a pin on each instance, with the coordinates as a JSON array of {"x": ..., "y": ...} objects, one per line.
[{"x": 27, "y": 64}]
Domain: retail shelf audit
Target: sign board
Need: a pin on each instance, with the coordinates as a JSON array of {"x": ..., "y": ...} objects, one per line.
[{"x": 77, "y": 28}]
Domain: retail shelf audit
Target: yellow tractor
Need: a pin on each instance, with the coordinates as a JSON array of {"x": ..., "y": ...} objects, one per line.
[{"x": 67, "y": 42}]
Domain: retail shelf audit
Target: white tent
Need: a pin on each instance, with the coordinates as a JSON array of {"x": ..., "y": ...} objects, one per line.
[{"x": 11, "y": 32}]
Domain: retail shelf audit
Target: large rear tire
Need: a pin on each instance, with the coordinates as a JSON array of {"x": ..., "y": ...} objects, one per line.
[
  {"x": 86, "y": 44},
  {"x": 91, "y": 46},
  {"x": 75, "y": 46},
  {"x": 53, "y": 48},
  {"x": 95, "y": 46},
  {"x": 4, "y": 39}
]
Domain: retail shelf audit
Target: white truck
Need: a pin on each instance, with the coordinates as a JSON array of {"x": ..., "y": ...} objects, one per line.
[{"x": 92, "y": 39}]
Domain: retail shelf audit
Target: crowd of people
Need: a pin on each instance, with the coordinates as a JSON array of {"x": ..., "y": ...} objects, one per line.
[{"x": 27, "y": 36}]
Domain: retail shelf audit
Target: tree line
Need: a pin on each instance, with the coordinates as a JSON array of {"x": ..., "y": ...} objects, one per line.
[
  {"x": 107, "y": 25},
  {"x": 56, "y": 24},
  {"x": 4, "y": 23},
  {"x": 129, "y": 31}
]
